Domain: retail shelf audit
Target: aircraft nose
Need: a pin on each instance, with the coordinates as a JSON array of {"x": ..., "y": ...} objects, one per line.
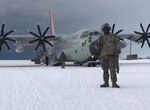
[{"x": 94, "y": 49}]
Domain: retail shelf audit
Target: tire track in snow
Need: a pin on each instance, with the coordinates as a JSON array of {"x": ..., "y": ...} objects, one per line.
[{"x": 21, "y": 92}]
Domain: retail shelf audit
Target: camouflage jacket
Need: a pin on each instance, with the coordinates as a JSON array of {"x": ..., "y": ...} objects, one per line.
[
  {"x": 109, "y": 45},
  {"x": 62, "y": 57}
]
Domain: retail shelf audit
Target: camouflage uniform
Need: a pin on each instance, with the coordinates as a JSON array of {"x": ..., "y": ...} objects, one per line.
[
  {"x": 46, "y": 60},
  {"x": 63, "y": 58},
  {"x": 110, "y": 47},
  {"x": 117, "y": 63}
]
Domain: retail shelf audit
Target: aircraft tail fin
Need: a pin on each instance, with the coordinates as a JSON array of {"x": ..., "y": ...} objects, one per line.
[{"x": 52, "y": 28}]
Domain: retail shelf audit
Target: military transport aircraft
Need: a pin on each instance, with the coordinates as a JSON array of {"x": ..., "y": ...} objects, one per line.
[{"x": 79, "y": 47}]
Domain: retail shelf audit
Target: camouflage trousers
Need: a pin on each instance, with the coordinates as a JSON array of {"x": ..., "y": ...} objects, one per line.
[
  {"x": 62, "y": 64},
  {"x": 108, "y": 63}
]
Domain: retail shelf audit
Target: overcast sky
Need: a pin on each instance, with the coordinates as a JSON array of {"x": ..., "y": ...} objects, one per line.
[{"x": 72, "y": 15}]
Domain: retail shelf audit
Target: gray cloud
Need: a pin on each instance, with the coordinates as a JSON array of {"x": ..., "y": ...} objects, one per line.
[{"x": 72, "y": 15}]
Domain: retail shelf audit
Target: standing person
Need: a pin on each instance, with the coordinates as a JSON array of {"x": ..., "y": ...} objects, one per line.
[
  {"x": 110, "y": 47},
  {"x": 62, "y": 58},
  {"x": 46, "y": 60}
]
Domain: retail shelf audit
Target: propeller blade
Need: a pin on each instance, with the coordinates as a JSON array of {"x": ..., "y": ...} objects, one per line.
[
  {"x": 37, "y": 46},
  {"x": 113, "y": 27},
  {"x": 2, "y": 41},
  {"x": 144, "y": 36},
  {"x": 2, "y": 29},
  {"x": 147, "y": 28},
  {"x": 34, "y": 34},
  {"x": 4, "y": 37},
  {"x": 7, "y": 45},
  {"x": 8, "y": 33},
  {"x": 47, "y": 37},
  {"x": 142, "y": 43},
  {"x": 10, "y": 39},
  {"x": 48, "y": 43},
  {"x": 41, "y": 38},
  {"x": 138, "y": 33},
  {"x": 43, "y": 45},
  {"x": 51, "y": 36},
  {"x": 39, "y": 30},
  {"x": 139, "y": 39},
  {"x": 118, "y": 31},
  {"x": 142, "y": 28},
  {"x": 0, "y": 48},
  {"x": 148, "y": 42},
  {"x": 121, "y": 39},
  {"x": 33, "y": 41},
  {"x": 45, "y": 31}
]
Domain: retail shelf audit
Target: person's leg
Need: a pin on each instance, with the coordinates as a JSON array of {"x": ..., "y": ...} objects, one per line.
[
  {"x": 112, "y": 67},
  {"x": 104, "y": 65}
]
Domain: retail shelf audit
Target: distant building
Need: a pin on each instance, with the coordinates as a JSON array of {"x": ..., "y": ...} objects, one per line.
[{"x": 136, "y": 49}]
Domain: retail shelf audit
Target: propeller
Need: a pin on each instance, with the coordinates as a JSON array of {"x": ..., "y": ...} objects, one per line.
[
  {"x": 41, "y": 38},
  {"x": 144, "y": 35},
  {"x": 112, "y": 31},
  {"x": 4, "y": 38}
]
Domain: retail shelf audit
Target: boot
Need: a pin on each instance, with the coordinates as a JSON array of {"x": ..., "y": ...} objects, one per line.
[
  {"x": 106, "y": 84},
  {"x": 115, "y": 85}
]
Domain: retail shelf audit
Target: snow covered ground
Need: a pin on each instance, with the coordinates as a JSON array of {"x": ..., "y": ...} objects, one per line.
[{"x": 73, "y": 88}]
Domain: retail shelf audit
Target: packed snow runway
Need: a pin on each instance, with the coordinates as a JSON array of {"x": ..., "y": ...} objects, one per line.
[{"x": 73, "y": 88}]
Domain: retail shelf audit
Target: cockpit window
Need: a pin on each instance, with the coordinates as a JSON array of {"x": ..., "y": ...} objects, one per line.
[
  {"x": 90, "y": 39},
  {"x": 96, "y": 33},
  {"x": 91, "y": 33},
  {"x": 85, "y": 34}
]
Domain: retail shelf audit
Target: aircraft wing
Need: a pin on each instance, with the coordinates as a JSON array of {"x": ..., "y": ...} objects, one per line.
[
  {"x": 132, "y": 37},
  {"x": 24, "y": 39}
]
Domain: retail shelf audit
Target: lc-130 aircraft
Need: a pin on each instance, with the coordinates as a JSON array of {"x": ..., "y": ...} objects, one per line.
[{"x": 79, "y": 47}]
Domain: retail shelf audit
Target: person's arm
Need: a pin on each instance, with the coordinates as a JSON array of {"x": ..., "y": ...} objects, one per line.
[{"x": 99, "y": 42}]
